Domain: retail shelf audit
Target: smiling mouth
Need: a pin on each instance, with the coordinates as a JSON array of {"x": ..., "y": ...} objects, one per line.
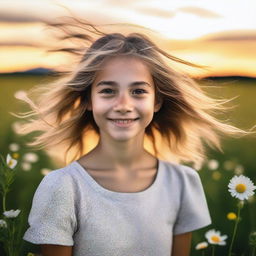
[
  {"x": 128, "y": 119},
  {"x": 123, "y": 121}
]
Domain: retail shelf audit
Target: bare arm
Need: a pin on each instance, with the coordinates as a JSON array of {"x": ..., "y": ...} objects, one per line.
[
  {"x": 181, "y": 244},
  {"x": 56, "y": 250}
]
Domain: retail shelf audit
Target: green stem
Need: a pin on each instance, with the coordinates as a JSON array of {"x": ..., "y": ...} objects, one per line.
[
  {"x": 213, "y": 250},
  {"x": 4, "y": 200},
  {"x": 9, "y": 245},
  {"x": 235, "y": 229},
  {"x": 12, "y": 237},
  {"x": 203, "y": 254}
]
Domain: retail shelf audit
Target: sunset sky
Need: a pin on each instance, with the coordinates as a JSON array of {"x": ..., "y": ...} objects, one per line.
[{"x": 218, "y": 34}]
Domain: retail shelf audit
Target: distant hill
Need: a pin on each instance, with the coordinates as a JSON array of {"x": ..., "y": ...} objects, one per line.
[
  {"x": 34, "y": 71},
  {"x": 46, "y": 71},
  {"x": 230, "y": 78},
  {"x": 39, "y": 71}
]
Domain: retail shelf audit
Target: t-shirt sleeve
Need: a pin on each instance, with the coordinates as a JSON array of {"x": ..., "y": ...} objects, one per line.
[
  {"x": 52, "y": 216},
  {"x": 193, "y": 212}
]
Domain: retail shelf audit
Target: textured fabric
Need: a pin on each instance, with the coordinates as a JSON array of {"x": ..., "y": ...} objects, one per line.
[{"x": 70, "y": 208}]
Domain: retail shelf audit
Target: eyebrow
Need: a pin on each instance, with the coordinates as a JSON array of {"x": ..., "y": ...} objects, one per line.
[{"x": 113, "y": 83}]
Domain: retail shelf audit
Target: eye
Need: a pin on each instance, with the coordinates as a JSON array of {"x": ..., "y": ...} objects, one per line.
[
  {"x": 140, "y": 91},
  {"x": 106, "y": 91}
]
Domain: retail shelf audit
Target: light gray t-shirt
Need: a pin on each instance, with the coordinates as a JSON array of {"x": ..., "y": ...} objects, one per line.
[{"x": 70, "y": 208}]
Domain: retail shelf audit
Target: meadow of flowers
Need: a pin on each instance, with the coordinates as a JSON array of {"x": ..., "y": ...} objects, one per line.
[
  {"x": 242, "y": 188},
  {"x": 228, "y": 178},
  {"x": 239, "y": 187}
]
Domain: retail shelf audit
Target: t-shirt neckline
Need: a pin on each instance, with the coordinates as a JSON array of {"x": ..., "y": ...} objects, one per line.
[{"x": 100, "y": 188}]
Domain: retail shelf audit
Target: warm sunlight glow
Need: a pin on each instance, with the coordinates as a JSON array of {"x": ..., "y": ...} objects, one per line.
[
  {"x": 23, "y": 58},
  {"x": 205, "y": 32}
]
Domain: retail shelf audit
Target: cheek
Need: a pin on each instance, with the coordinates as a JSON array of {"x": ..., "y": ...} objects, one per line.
[
  {"x": 147, "y": 106},
  {"x": 98, "y": 109},
  {"x": 98, "y": 104}
]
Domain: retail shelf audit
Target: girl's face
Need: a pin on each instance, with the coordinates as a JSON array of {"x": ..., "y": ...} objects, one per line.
[{"x": 123, "y": 98}]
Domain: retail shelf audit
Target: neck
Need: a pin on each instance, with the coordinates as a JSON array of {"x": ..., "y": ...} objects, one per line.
[{"x": 122, "y": 154}]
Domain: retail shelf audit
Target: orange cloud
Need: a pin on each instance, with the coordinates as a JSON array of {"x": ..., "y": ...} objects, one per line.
[{"x": 204, "y": 13}]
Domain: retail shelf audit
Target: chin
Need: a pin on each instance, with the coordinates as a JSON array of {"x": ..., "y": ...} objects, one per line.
[{"x": 122, "y": 136}]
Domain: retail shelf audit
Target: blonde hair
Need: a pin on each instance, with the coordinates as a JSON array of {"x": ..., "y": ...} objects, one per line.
[{"x": 184, "y": 122}]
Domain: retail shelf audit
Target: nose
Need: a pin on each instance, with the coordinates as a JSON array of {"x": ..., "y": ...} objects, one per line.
[{"x": 123, "y": 103}]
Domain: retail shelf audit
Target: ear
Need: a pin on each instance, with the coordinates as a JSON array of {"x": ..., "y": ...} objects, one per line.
[{"x": 158, "y": 105}]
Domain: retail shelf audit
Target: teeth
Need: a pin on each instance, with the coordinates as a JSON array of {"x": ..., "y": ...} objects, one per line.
[{"x": 123, "y": 121}]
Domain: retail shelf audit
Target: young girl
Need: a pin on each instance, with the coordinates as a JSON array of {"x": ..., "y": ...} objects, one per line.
[{"x": 120, "y": 199}]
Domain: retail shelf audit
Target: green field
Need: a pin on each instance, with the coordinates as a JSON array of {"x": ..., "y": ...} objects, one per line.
[{"x": 240, "y": 151}]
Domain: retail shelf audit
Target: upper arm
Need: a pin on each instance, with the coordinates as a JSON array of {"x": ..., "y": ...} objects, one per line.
[
  {"x": 193, "y": 212},
  {"x": 52, "y": 219},
  {"x": 56, "y": 250},
  {"x": 181, "y": 244}
]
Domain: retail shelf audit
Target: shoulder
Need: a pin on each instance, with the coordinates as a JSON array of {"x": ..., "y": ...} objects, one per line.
[
  {"x": 57, "y": 179},
  {"x": 181, "y": 173},
  {"x": 180, "y": 169}
]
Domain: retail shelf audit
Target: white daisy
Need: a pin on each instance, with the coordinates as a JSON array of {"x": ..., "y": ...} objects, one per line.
[
  {"x": 241, "y": 187},
  {"x": 214, "y": 237},
  {"x": 11, "y": 213},
  {"x": 201, "y": 245},
  {"x": 11, "y": 162}
]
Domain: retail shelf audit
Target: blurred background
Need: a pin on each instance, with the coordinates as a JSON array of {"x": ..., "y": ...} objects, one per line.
[{"x": 218, "y": 34}]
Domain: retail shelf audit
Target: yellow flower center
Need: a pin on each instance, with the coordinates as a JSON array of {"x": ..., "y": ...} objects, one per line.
[
  {"x": 240, "y": 188},
  {"x": 231, "y": 216},
  {"x": 215, "y": 239},
  {"x": 10, "y": 163},
  {"x": 202, "y": 246}
]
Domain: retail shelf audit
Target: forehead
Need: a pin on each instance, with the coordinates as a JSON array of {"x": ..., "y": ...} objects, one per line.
[{"x": 123, "y": 68}]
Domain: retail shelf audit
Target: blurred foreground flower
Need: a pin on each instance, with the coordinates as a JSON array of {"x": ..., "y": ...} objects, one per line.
[
  {"x": 214, "y": 237},
  {"x": 16, "y": 126},
  {"x": 231, "y": 216},
  {"x": 201, "y": 245},
  {"x": 26, "y": 166},
  {"x": 216, "y": 175},
  {"x": 241, "y": 187},
  {"x": 229, "y": 165},
  {"x": 3, "y": 224},
  {"x": 213, "y": 164},
  {"x": 30, "y": 157},
  {"x": 14, "y": 147},
  {"x": 20, "y": 94},
  {"x": 11, "y": 162},
  {"x": 15, "y": 155},
  {"x": 239, "y": 169},
  {"x": 45, "y": 171}
]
